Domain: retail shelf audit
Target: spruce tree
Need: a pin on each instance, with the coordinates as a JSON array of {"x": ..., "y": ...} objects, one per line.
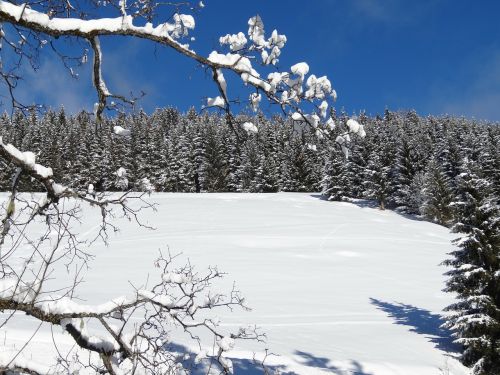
[
  {"x": 438, "y": 195},
  {"x": 335, "y": 183},
  {"x": 475, "y": 275}
]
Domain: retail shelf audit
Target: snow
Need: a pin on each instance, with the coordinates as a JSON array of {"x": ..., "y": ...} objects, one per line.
[
  {"x": 334, "y": 95},
  {"x": 318, "y": 87},
  {"x": 256, "y": 31},
  {"x": 186, "y": 19},
  {"x": 58, "y": 188},
  {"x": 226, "y": 343},
  {"x": 118, "y": 130},
  {"x": 172, "y": 277},
  {"x": 300, "y": 69},
  {"x": 235, "y": 41},
  {"x": 362, "y": 132},
  {"x": 219, "y": 76},
  {"x": 170, "y": 31},
  {"x": 45, "y": 172},
  {"x": 330, "y": 123},
  {"x": 275, "y": 43},
  {"x": 312, "y": 120},
  {"x": 243, "y": 64},
  {"x": 146, "y": 185},
  {"x": 13, "y": 359},
  {"x": 275, "y": 78},
  {"x": 121, "y": 172},
  {"x": 339, "y": 288},
  {"x": 229, "y": 59},
  {"x": 163, "y": 300},
  {"x": 255, "y": 99},
  {"x": 345, "y": 151},
  {"x": 250, "y": 127},
  {"x": 353, "y": 125},
  {"x": 340, "y": 140},
  {"x": 28, "y": 158},
  {"x": 102, "y": 84},
  {"x": 323, "y": 107},
  {"x": 218, "y": 101}
]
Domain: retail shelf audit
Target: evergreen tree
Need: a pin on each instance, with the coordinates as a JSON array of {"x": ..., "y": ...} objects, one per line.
[
  {"x": 475, "y": 276},
  {"x": 335, "y": 183},
  {"x": 438, "y": 195}
]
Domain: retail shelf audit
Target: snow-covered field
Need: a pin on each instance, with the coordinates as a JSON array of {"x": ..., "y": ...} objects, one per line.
[{"x": 339, "y": 288}]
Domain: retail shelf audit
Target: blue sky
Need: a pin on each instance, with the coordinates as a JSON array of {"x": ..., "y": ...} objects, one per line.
[{"x": 440, "y": 56}]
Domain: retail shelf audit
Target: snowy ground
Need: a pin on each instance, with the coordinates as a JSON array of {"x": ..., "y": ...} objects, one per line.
[{"x": 339, "y": 288}]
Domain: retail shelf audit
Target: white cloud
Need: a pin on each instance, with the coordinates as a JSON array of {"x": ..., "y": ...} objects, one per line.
[{"x": 53, "y": 86}]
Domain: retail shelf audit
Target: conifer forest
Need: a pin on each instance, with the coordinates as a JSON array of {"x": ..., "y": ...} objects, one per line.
[{"x": 406, "y": 162}]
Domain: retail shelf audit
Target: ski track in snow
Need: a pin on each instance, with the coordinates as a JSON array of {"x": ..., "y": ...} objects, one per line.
[{"x": 338, "y": 288}]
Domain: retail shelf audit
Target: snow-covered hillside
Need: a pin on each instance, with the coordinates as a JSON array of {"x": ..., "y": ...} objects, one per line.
[{"x": 339, "y": 288}]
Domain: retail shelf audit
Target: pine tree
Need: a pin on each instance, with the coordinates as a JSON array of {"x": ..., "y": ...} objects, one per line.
[
  {"x": 379, "y": 171},
  {"x": 475, "y": 276},
  {"x": 215, "y": 156},
  {"x": 377, "y": 180},
  {"x": 438, "y": 195},
  {"x": 335, "y": 183}
]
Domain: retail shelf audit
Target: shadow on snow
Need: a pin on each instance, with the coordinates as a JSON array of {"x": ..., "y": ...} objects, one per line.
[
  {"x": 422, "y": 322},
  {"x": 307, "y": 359},
  {"x": 248, "y": 366},
  {"x": 370, "y": 203}
]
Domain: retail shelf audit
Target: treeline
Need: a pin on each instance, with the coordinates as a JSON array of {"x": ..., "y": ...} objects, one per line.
[
  {"x": 167, "y": 151},
  {"x": 406, "y": 162},
  {"x": 414, "y": 164}
]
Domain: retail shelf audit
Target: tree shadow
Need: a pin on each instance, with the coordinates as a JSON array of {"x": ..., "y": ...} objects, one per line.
[
  {"x": 319, "y": 196},
  {"x": 311, "y": 360},
  {"x": 249, "y": 366},
  {"x": 243, "y": 366},
  {"x": 369, "y": 203},
  {"x": 422, "y": 322}
]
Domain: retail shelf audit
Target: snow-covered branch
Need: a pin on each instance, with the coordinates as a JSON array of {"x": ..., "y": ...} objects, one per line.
[{"x": 286, "y": 89}]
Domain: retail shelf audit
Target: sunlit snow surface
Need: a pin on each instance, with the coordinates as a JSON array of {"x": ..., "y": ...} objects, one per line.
[{"x": 339, "y": 288}]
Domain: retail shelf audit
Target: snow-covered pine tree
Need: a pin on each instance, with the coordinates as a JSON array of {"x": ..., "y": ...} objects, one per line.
[
  {"x": 335, "y": 183},
  {"x": 269, "y": 159},
  {"x": 489, "y": 158},
  {"x": 377, "y": 180},
  {"x": 475, "y": 274},
  {"x": 379, "y": 171},
  {"x": 407, "y": 164},
  {"x": 215, "y": 154},
  {"x": 121, "y": 152},
  {"x": 81, "y": 165},
  {"x": 438, "y": 195},
  {"x": 416, "y": 197},
  {"x": 234, "y": 179},
  {"x": 199, "y": 159}
]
